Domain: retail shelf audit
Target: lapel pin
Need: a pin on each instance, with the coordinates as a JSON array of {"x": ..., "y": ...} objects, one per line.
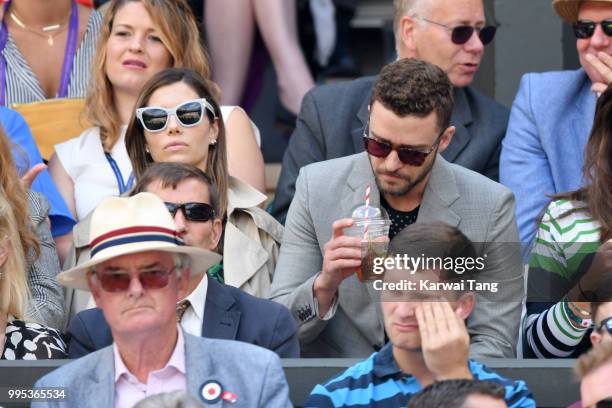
[{"x": 212, "y": 392}]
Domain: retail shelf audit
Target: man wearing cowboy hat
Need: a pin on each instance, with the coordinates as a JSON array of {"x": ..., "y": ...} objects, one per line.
[
  {"x": 139, "y": 269},
  {"x": 552, "y": 116}
]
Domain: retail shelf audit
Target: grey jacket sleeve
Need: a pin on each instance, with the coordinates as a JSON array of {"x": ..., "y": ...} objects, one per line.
[
  {"x": 299, "y": 262},
  {"x": 275, "y": 392},
  {"x": 495, "y": 321},
  {"x": 305, "y": 146},
  {"x": 47, "y": 303}
]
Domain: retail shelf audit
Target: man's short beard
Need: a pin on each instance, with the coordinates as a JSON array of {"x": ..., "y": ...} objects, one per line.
[{"x": 410, "y": 186}]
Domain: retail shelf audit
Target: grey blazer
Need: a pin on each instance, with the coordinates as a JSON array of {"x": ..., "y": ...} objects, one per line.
[
  {"x": 254, "y": 374},
  {"x": 333, "y": 117},
  {"x": 47, "y": 303},
  {"x": 482, "y": 209}
]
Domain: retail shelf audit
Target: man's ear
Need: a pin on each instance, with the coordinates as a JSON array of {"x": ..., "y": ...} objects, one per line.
[
  {"x": 446, "y": 138},
  {"x": 406, "y": 28},
  {"x": 595, "y": 337},
  {"x": 465, "y": 305},
  {"x": 93, "y": 287},
  {"x": 215, "y": 234},
  {"x": 183, "y": 283}
]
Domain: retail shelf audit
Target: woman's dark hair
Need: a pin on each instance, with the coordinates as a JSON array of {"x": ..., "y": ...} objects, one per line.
[
  {"x": 135, "y": 142},
  {"x": 597, "y": 193}
]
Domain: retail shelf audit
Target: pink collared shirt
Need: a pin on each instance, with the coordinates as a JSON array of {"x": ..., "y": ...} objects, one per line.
[{"x": 129, "y": 390}]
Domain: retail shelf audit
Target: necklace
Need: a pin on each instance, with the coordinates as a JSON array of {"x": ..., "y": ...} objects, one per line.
[{"x": 48, "y": 32}]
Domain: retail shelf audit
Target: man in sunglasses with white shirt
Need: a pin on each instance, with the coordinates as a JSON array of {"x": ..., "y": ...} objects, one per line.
[
  {"x": 552, "y": 116},
  {"x": 408, "y": 127},
  {"x": 451, "y": 34},
  {"x": 211, "y": 309}
]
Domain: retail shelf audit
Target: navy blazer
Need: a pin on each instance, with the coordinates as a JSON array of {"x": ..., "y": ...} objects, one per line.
[{"x": 229, "y": 313}]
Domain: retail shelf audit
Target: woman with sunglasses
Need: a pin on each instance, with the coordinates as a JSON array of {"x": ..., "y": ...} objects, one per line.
[
  {"x": 601, "y": 309},
  {"x": 552, "y": 114},
  {"x": 139, "y": 38},
  {"x": 178, "y": 120},
  {"x": 572, "y": 254}
]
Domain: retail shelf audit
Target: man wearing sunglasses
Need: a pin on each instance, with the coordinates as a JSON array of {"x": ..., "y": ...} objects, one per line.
[
  {"x": 601, "y": 312},
  {"x": 213, "y": 310},
  {"x": 409, "y": 125},
  {"x": 139, "y": 269},
  {"x": 552, "y": 116},
  {"x": 448, "y": 33}
]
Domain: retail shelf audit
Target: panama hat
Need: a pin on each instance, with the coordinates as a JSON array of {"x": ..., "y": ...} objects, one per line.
[
  {"x": 568, "y": 9},
  {"x": 128, "y": 225}
]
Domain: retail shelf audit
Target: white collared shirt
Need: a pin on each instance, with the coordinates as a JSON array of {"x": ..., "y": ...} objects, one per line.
[{"x": 193, "y": 319}]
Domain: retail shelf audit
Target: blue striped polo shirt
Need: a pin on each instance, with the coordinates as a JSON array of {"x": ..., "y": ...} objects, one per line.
[{"x": 378, "y": 382}]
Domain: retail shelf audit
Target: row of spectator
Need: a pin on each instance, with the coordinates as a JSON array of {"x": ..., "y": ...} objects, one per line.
[{"x": 421, "y": 125}]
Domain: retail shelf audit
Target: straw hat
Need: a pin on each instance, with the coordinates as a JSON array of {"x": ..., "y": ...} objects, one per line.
[
  {"x": 121, "y": 226},
  {"x": 568, "y": 9}
]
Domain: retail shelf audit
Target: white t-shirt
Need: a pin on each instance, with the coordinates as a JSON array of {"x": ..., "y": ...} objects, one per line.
[{"x": 93, "y": 177}]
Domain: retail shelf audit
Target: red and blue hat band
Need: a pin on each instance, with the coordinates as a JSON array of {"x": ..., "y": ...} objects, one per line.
[{"x": 132, "y": 235}]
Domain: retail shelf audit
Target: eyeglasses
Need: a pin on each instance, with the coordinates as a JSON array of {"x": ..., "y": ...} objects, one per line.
[
  {"x": 201, "y": 212},
  {"x": 586, "y": 28},
  {"x": 605, "y": 324},
  {"x": 407, "y": 155},
  {"x": 462, "y": 33},
  {"x": 188, "y": 114},
  {"x": 119, "y": 281}
]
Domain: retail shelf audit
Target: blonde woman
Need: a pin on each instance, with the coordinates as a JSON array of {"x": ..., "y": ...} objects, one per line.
[
  {"x": 30, "y": 210},
  {"x": 139, "y": 38},
  {"x": 20, "y": 338}
]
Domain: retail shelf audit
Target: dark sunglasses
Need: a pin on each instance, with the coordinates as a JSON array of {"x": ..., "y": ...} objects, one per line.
[
  {"x": 119, "y": 281},
  {"x": 462, "y": 33},
  {"x": 606, "y": 324},
  {"x": 188, "y": 114},
  {"x": 586, "y": 28},
  {"x": 201, "y": 212},
  {"x": 407, "y": 155}
]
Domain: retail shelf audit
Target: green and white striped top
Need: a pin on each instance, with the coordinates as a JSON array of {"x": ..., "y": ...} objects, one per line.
[{"x": 566, "y": 239}]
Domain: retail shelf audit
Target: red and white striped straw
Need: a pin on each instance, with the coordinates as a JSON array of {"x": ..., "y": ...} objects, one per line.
[{"x": 367, "y": 210}]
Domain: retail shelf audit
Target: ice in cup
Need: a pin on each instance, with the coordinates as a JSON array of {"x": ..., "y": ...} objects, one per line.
[{"x": 372, "y": 226}]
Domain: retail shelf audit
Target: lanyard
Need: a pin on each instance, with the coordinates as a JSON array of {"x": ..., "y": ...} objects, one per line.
[
  {"x": 123, "y": 187},
  {"x": 71, "y": 45}
]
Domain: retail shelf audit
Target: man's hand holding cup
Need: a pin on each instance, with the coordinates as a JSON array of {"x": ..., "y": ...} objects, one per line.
[{"x": 341, "y": 258}]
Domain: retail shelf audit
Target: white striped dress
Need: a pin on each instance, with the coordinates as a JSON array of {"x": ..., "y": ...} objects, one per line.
[
  {"x": 565, "y": 243},
  {"x": 22, "y": 86}
]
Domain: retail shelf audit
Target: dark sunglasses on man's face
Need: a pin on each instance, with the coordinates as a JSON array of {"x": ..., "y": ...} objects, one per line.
[
  {"x": 407, "y": 155},
  {"x": 586, "y": 28},
  {"x": 462, "y": 33},
  {"x": 119, "y": 281},
  {"x": 201, "y": 212}
]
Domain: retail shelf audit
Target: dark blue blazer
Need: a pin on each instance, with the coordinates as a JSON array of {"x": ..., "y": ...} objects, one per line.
[{"x": 229, "y": 313}]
